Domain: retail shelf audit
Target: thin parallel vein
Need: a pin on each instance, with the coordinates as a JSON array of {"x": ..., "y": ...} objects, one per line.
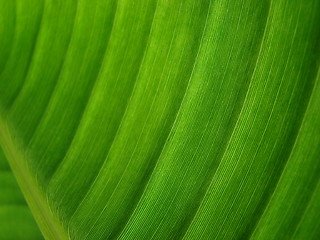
[
  {"x": 227, "y": 107},
  {"x": 225, "y": 188},
  {"x": 251, "y": 164},
  {"x": 281, "y": 174},
  {"x": 129, "y": 162},
  {"x": 289, "y": 104},
  {"x": 53, "y": 92},
  {"x": 176, "y": 118},
  {"x": 96, "y": 178},
  {"x": 241, "y": 111},
  {"x": 180, "y": 109},
  {"x": 81, "y": 116},
  {"x": 233, "y": 109},
  {"x": 264, "y": 170},
  {"x": 287, "y": 167},
  {"x": 292, "y": 147},
  {"x": 13, "y": 39},
  {"x": 250, "y": 168},
  {"x": 269, "y": 118},
  {"x": 31, "y": 59},
  {"x": 288, "y": 207},
  {"x": 229, "y": 179},
  {"x": 259, "y": 104},
  {"x": 298, "y": 133},
  {"x": 166, "y": 82},
  {"x": 307, "y": 208},
  {"x": 117, "y": 83},
  {"x": 316, "y": 80},
  {"x": 153, "y": 100},
  {"x": 176, "y": 114},
  {"x": 122, "y": 119},
  {"x": 220, "y": 122},
  {"x": 210, "y": 116},
  {"x": 228, "y": 104},
  {"x": 147, "y": 117},
  {"x": 54, "y": 89}
]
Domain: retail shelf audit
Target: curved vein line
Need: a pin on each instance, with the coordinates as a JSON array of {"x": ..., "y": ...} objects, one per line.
[
  {"x": 287, "y": 160},
  {"x": 31, "y": 59},
  {"x": 87, "y": 101},
  {"x": 176, "y": 117},
  {"x": 308, "y": 205},
  {"x": 122, "y": 118},
  {"x": 241, "y": 112},
  {"x": 210, "y": 116},
  {"x": 60, "y": 71},
  {"x": 165, "y": 63},
  {"x": 250, "y": 167},
  {"x": 118, "y": 130}
]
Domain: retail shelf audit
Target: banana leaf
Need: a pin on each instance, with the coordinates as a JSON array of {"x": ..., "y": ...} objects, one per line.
[{"x": 160, "y": 119}]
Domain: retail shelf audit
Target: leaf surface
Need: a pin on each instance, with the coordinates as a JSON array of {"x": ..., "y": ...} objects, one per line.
[
  {"x": 161, "y": 119},
  {"x": 16, "y": 220}
]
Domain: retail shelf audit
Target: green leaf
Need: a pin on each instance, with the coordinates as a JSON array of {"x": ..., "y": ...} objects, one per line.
[
  {"x": 158, "y": 119},
  {"x": 15, "y": 217}
]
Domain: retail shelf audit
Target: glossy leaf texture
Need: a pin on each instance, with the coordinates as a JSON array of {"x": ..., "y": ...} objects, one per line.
[{"x": 164, "y": 119}]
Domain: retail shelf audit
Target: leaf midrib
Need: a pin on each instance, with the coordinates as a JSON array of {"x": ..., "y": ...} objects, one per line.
[{"x": 49, "y": 224}]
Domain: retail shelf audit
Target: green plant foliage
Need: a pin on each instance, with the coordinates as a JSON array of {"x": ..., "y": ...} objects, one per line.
[
  {"x": 162, "y": 119},
  {"x": 16, "y": 221}
]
